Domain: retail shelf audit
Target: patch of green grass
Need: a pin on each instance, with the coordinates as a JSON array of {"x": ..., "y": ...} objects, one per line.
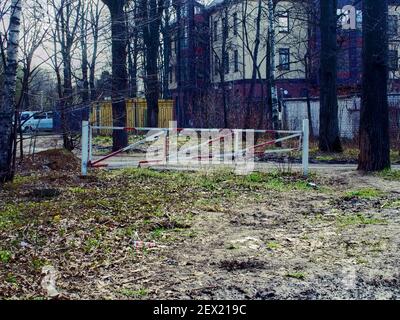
[
  {"x": 158, "y": 233},
  {"x": 296, "y": 275},
  {"x": 325, "y": 158},
  {"x": 390, "y": 174},
  {"x": 129, "y": 293},
  {"x": 254, "y": 177},
  {"x": 9, "y": 216},
  {"x": 189, "y": 233},
  {"x": 38, "y": 263},
  {"x": 209, "y": 205},
  {"x": 361, "y": 260},
  {"x": 77, "y": 190},
  {"x": 102, "y": 140},
  {"x": 358, "y": 219},
  {"x": 273, "y": 245},
  {"x": 276, "y": 181},
  {"x": 91, "y": 244},
  {"x": 142, "y": 173},
  {"x": 10, "y": 278},
  {"x": 392, "y": 204},
  {"x": 19, "y": 181},
  {"x": 129, "y": 231},
  {"x": 5, "y": 256},
  {"x": 365, "y": 193}
]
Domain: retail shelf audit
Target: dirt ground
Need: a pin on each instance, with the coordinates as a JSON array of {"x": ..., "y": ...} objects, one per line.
[{"x": 141, "y": 234}]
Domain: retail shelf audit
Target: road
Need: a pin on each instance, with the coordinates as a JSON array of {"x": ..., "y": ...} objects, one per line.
[
  {"x": 51, "y": 141},
  {"x": 135, "y": 161}
]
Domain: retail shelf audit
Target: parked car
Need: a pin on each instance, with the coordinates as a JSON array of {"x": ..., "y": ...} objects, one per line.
[{"x": 36, "y": 121}]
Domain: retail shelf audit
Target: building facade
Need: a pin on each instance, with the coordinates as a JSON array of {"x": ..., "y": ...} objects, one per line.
[{"x": 221, "y": 53}]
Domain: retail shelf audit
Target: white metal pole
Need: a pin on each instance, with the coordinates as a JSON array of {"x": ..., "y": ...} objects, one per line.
[
  {"x": 90, "y": 142},
  {"x": 237, "y": 147},
  {"x": 85, "y": 147},
  {"x": 306, "y": 137}
]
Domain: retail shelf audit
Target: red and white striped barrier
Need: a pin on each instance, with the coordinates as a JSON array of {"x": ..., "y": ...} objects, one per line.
[{"x": 87, "y": 138}]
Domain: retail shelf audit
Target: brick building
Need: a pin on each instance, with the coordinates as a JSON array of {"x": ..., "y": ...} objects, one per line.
[{"x": 217, "y": 67}]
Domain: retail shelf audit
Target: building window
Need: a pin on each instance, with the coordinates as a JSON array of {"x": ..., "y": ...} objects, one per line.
[
  {"x": 283, "y": 22},
  {"x": 393, "y": 60},
  {"x": 226, "y": 62},
  {"x": 236, "y": 60},
  {"x": 235, "y": 24},
  {"x": 393, "y": 26},
  {"x": 197, "y": 10},
  {"x": 284, "y": 59},
  {"x": 215, "y": 29}
]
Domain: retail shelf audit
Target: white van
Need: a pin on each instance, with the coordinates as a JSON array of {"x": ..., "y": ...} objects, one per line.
[{"x": 36, "y": 121}]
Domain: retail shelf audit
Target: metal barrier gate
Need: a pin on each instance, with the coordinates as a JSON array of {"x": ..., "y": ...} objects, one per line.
[{"x": 172, "y": 146}]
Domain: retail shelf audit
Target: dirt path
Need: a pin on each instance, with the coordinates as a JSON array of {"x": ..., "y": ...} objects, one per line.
[
  {"x": 145, "y": 234},
  {"x": 297, "y": 245}
]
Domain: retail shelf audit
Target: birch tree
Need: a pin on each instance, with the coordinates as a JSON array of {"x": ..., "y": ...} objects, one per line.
[{"x": 7, "y": 103}]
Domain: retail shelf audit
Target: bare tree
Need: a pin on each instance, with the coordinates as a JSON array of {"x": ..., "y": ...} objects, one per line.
[
  {"x": 119, "y": 70},
  {"x": 329, "y": 137},
  {"x": 374, "y": 121},
  {"x": 34, "y": 32},
  {"x": 96, "y": 9},
  {"x": 220, "y": 54},
  {"x": 67, "y": 15},
  {"x": 151, "y": 14},
  {"x": 134, "y": 47},
  {"x": 7, "y": 103}
]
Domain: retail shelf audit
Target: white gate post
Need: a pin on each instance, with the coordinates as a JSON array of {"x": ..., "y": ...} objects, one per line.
[
  {"x": 90, "y": 142},
  {"x": 236, "y": 145},
  {"x": 305, "y": 154},
  {"x": 85, "y": 147}
]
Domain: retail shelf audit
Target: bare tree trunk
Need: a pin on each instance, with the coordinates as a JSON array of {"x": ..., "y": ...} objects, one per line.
[
  {"x": 329, "y": 138},
  {"x": 257, "y": 42},
  {"x": 224, "y": 57},
  {"x": 151, "y": 12},
  {"x": 273, "y": 99},
  {"x": 119, "y": 70},
  {"x": 132, "y": 66},
  {"x": 309, "y": 114},
  {"x": 374, "y": 122},
  {"x": 166, "y": 32},
  {"x": 66, "y": 34},
  {"x": 133, "y": 52},
  {"x": 7, "y": 106},
  {"x": 85, "y": 65},
  {"x": 95, "y": 13}
]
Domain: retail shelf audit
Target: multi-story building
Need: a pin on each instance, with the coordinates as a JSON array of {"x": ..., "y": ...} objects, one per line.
[
  {"x": 222, "y": 53},
  {"x": 189, "y": 63}
]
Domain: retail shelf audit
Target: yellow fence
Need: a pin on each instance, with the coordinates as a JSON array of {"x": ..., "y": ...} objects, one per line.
[{"x": 136, "y": 112}]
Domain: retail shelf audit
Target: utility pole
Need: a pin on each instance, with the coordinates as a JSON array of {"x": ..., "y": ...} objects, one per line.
[{"x": 272, "y": 67}]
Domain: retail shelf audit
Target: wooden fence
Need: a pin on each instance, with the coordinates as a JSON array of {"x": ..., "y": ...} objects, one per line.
[{"x": 136, "y": 111}]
